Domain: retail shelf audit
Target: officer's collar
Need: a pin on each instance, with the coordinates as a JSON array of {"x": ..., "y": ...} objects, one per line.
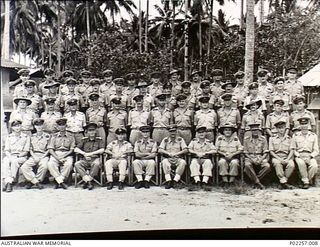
[
  {"x": 59, "y": 134},
  {"x": 172, "y": 140}
]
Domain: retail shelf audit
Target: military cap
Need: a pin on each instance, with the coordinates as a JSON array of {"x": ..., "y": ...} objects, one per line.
[
  {"x": 240, "y": 74},
  {"x": 185, "y": 84},
  {"x": 226, "y": 96},
  {"x": 72, "y": 102},
  {"x": 120, "y": 131},
  {"x": 204, "y": 99},
  {"x": 94, "y": 96},
  {"x": 303, "y": 120},
  {"x": 172, "y": 127},
  {"x": 71, "y": 81},
  {"x": 91, "y": 125},
  {"x": 293, "y": 70},
  {"x": 257, "y": 102},
  {"x": 16, "y": 100},
  {"x": 61, "y": 121},
  {"x": 52, "y": 84},
  {"x": 262, "y": 72},
  {"x": 138, "y": 98},
  {"x": 279, "y": 123},
  {"x": 174, "y": 71},
  {"x": 95, "y": 81},
  {"x": 142, "y": 84},
  {"x": 155, "y": 74},
  {"x": 254, "y": 126},
  {"x": 67, "y": 73},
  {"x": 201, "y": 129},
  {"x": 228, "y": 82},
  {"x": 181, "y": 97},
  {"x": 85, "y": 73},
  {"x": 161, "y": 96},
  {"x": 205, "y": 84},
  {"x": 227, "y": 126},
  {"x": 278, "y": 101},
  {"x": 38, "y": 121},
  {"x": 23, "y": 72},
  {"x": 253, "y": 85},
  {"x": 195, "y": 72},
  {"x": 217, "y": 72},
  {"x": 167, "y": 86},
  {"x": 118, "y": 81},
  {"x": 50, "y": 101},
  {"x": 16, "y": 122},
  {"x": 298, "y": 99},
  {"x": 131, "y": 76},
  {"x": 279, "y": 79},
  {"x": 116, "y": 101},
  {"x": 107, "y": 72},
  {"x": 29, "y": 83},
  {"x": 48, "y": 71},
  {"x": 145, "y": 128}
]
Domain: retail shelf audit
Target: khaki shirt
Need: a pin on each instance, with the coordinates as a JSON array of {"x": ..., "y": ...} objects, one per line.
[
  {"x": 206, "y": 119},
  {"x": 280, "y": 144},
  {"x": 241, "y": 92},
  {"x": 25, "y": 117},
  {"x": 295, "y": 115},
  {"x": 251, "y": 117},
  {"x": 294, "y": 88},
  {"x": 305, "y": 143},
  {"x": 228, "y": 146},
  {"x": 285, "y": 96},
  {"x": 17, "y": 144},
  {"x": 107, "y": 89},
  {"x": 122, "y": 96},
  {"x": 182, "y": 117},
  {"x": 87, "y": 145},
  {"x": 196, "y": 146},
  {"x": 39, "y": 143},
  {"x": 254, "y": 146},
  {"x": 161, "y": 118},
  {"x": 176, "y": 145},
  {"x": 36, "y": 102},
  {"x": 250, "y": 98},
  {"x": 75, "y": 122},
  {"x": 61, "y": 142},
  {"x": 229, "y": 116},
  {"x": 155, "y": 90},
  {"x": 138, "y": 118},
  {"x": 265, "y": 90},
  {"x": 148, "y": 102},
  {"x": 272, "y": 118},
  {"x": 130, "y": 93},
  {"x": 97, "y": 116},
  {"x": 116, "y": 119},
  {"x": 150, "y": 146},
  {"x": 65, "y": 98},
  {"x": 50, "y": 119},
  {"x": 120, "y": 149}
]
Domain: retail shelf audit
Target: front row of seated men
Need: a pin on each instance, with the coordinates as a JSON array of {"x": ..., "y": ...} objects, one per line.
[{"x": 56, "y": 154}]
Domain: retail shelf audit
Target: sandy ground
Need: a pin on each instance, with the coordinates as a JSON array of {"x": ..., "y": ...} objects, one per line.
[{"x": 78, "y": 210}]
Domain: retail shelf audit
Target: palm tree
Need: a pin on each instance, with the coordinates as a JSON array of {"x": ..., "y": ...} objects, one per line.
[
  {"x": 113, "y": 6},
  {"x": 5, "y": 52},
  {"x": 249, "y": 48}
]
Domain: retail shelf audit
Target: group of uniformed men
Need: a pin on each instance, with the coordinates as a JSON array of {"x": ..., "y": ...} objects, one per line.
[{"x": 58, "y": 126}]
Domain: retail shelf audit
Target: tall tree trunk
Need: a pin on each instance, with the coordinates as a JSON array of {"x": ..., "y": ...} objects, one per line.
[
  {"x": 249, "y": 49},
  {"x": 58, "y": 41},
  {"x": 172, "y": 33},
  {"x": 200, "y": 36},
  {"x": 140, "y": 28},
  {"x": 88, "y": 32},
  {"x": 5, "y": 52},
  {"x": 186, "y": 41},
  {"x": 241, "y": 15},
  {"x": 209, "y": 35},
  {"x": 42, "y": 45},
  {"x": 146, "y": 28},
  {"x": 261, "y": 12},
  {"x": 50, "y": 54}
]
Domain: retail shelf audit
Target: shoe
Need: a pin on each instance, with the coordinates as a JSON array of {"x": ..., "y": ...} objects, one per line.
[
  {"x": 9, "y": 187},
  {"x": 260, "y": 186},
  {"x": 56, "y": 186},
  {"x": 90, "y": 185},
  {"x": 64, "y": 186},
  {"x": 29, "y": 185},
  {"x": 206, "y": 187},
  {"x": 85, "y": 185},
  {"x": 174, "y": 184},
  {"x": 285, "y": 186},
  {"x": 109, "y": 186},
  {"x": 120, "y": 186},
  {"x": 168, "y": 185},
  {"x": 138, "y": 185},
  {"x": 305, "y": 186},
  {"x": 199, "y": 185},
  {"x": 5, "y": 187},
  {"x": 146, "y": 184},
  {"x": 224, "y": 184},
  {"x": 39, "y": 186}
]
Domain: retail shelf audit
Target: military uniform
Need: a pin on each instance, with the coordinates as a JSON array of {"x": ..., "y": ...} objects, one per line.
[
  {"x": 183, "y": 118},
  {"x": 252, "y": 117},
  {"x": 115, "y": 119},
  {"x": 206, "y": 118},
  {"x": 294, "y": 87},
  {"x": 274, "y": 117},
  {"x": 136, "y": 119},
  {"x": 50, "y": 116},
  {"x": 295, "y": 115},
  {"x": 39, "y": 157},
  {"x": 286, "y": 97},
  {"x": 107, "y": 89},
  {"x": 124, "y": 100},
  {"x": 75, "y": 124}
]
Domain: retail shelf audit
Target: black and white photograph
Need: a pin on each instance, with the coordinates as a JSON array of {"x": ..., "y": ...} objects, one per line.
[{"x": 159, "y": 115}]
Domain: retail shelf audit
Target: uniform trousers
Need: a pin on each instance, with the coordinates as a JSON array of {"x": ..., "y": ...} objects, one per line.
[
  {"x": 307, "y": 166},
  {"x": 54, "y": 164},
  {"x": 228, "y": 168},
  {"x": 121, "y": 164},
  {"x": 283, "y": 171},
  {"x": 159, "y": 134},
  {"x": 206, "y": 165},
  {"x": 135, "y": 135},
  {"x": 11, "y": 166},
  {"x": 42, "y": 168},
  {"x": 178, "y": 162},
  {"x": 93, "y": 166},
  {"x": 147, "y": 165},
  {"x": 264, "y": 169},
  {"x": 112, "y": 136},
  {"x": 185, "y": 134}
]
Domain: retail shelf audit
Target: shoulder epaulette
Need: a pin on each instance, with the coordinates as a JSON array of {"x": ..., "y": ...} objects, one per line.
[
  {"x": 114, "y": 142},
  {"x": 179, "y": 139},
  {"x": 84, "y": 138},
  {"x": 47, "y": 135},
  {"x": 236, "y": 139},
  {"x": 98, "y": 138},
  {"x": 219, "y": 138},
  {"x": 166, "y": 139},
  {"x": 247, "y": 137},
  {"x": 195, "y": 139}
]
